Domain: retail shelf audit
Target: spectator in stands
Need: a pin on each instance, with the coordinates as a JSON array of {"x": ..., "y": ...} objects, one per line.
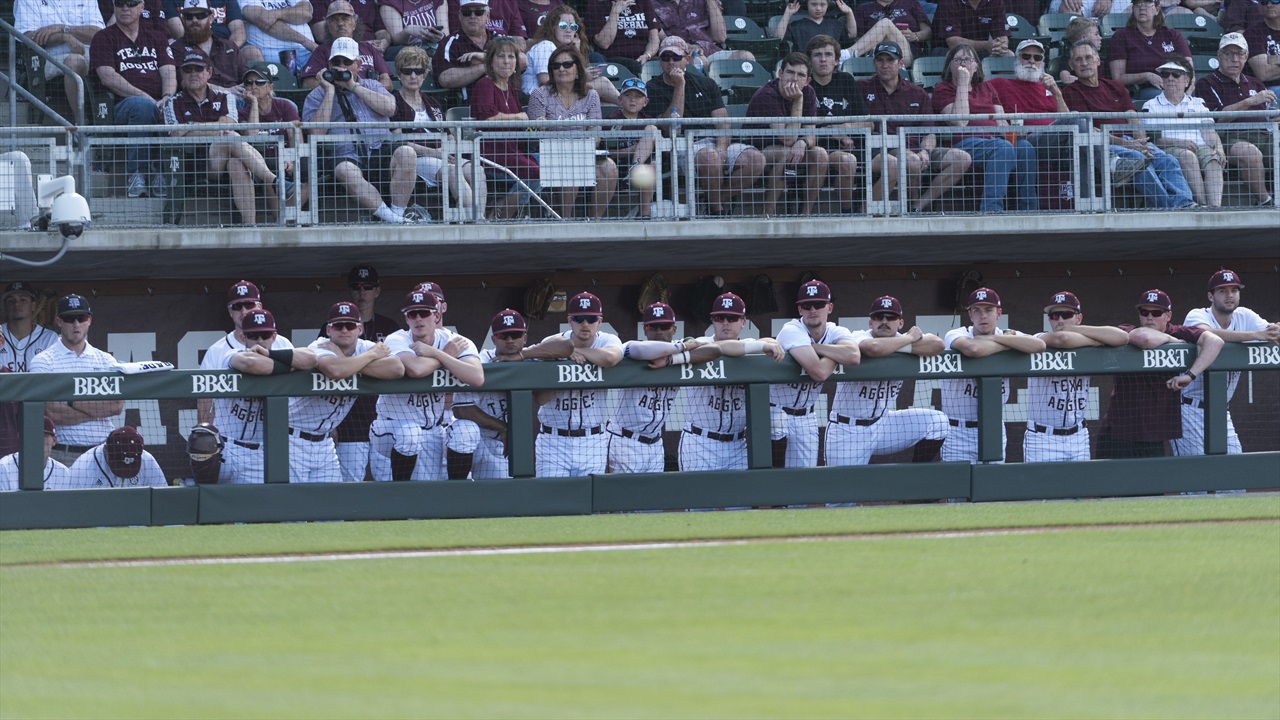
[
  {"x": 279, "y": 30},
  {"x": 413, "y": 105},
  {"x": 568, "y": 99},
  {"x": 196, "y": 20},
  {"x": 459, "y": 62},
  {"x": 343, "y": 23},
  {"x": 792, "y": 155},
  {"x": 815, "y": 22},
  {"x": 1137, "y": 48},
  {"x": 977, "y": 23},
  {"x": 1264, "y": 47},
  {"x": 503, "y": 18},
  {"x": 1228, "y": 89},
  {"x": 1089, "y": 9},
  {"x": 563, "y": 28},
  {"x": 226, "y": 24},
  {"x": 680, "y": 93},
  {"x": 62, "y": 29},
  {"x": 366, "y": 168},
  {"x": 368, "y": 20},
  {"x": 906, "y": 15},
  {"x": 153, "y": 15},
  {"x": 888, "y": 94},
  {"x": 262, "y": 106},
  {"x": 1032, "y": 90},
  {"x": 497, "y": 97},
  {"x": 135, "y": 64},
  {"x": 1080, "y": 28},
  {"x": 1157, "y": 175},
  {"x": 1198, "y": 147},
  {"x": 963, "y": 92},
  {"x": 54, "y": 471},
  {"x": 700, "y": 23},
  {"x": 838, "y": 96},
  {"x": 414, "y": 23},
  {"x": 634, "y": 152},
  {"x": 624, "y": 31},
  {"x": 1240, "y": 15}
]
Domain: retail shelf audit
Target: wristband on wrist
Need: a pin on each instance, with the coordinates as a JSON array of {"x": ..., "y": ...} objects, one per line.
[
  {"x": 679, "y": 358},
  {"x": 284, "y": 357},
  {"x": 753, "y": 347},
  {"x": 1189, "y": 374}
]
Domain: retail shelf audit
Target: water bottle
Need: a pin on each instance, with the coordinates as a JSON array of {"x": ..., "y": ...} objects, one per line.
[{"x": 695, "y": 60}]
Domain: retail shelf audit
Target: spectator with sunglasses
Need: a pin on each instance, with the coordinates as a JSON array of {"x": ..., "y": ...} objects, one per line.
[
  {"x": 1145, "y": 408},
  {"x": 279, "y": 30},
  {"x": 226, "y": 22},
  {"x": 365, "y": 15},
  {"x": 1057, "y": 406},
  {"x": 63, "y": 29},
  {"x": 477, "y": 437},
  {"x": 81, "y": 424},
  {"x": 262, "y": 106},
  {"x": 459, "y": 62},
  {"x": 563, "y": 28},
  {"x": 196, "y": 20},
  {"x": 627, "y": 32},
  {"x": 502, "y": 18},
  {"x": 342, "y": 22},
  {"x": 353, "y": 432}
]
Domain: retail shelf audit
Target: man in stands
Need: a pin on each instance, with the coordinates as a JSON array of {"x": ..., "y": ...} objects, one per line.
[
  {"x": 61, "y": 28},
  {"x": 341, "y": 22},
  {"x": 792, "y": 155},
  {"x": 197, "y": 18}
]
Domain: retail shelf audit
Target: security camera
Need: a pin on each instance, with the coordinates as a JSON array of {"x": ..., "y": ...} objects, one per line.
[{"x": 70, "y": 214}]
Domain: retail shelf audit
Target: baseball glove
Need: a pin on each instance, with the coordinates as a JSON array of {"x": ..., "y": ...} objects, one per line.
[
  {"x": 654, "y": 290},
  {"x": 537, "y": 297},
  {"x": 705, "y": 292},
  {"x": 762, "y": 297}
]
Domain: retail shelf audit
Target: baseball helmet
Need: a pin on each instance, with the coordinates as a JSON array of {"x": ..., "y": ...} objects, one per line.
[{"x": 204, "y": 447}]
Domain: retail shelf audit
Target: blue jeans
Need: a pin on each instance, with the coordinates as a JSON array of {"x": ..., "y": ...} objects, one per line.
[
  {"x": 1161, "y": 182},
  {"x": 998, "y": 159},
  {"x": 137, "y": 110}
]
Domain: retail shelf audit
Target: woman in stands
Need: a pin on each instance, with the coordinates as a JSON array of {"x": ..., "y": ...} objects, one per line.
[
  {"x": 1142, "y": 44},
  {"x": 562, "y": 28},
  {"x": 567, "y": 98},
  {"x": 496, "y": 96},
  {"x": 1191, "y": 140}
]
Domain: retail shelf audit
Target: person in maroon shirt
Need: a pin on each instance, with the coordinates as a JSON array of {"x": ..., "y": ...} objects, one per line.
[
  {"x": 1240, "y": 15},
  {"x": 370, "y": 25},
  {"x": 1138, "y": 48},
  {"x": 1264, "y": 47},
  {"x": 497, "y": 97},
  {"x": 340, "y": 22},
  {"x": 421, "y": 23},
  {"x": 153, "y": 14},
  {"x": 790, "y": 155},
  {"x": 627, "y": 32},
  {"x": 262, "y": 106},
  {"x": 1145, "y": 409},
  {"x": 503, "y": 18},
  {"x": 1228, "y": 89},
  {"x": 197, "y": 26},
  {"x": 978, "y": 23},
  {"x": 459, "y": 61},
  {"x": 134, "y": 62}
]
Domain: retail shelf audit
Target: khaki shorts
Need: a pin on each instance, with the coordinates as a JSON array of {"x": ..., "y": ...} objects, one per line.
[{"x": 1206, "y": 155}]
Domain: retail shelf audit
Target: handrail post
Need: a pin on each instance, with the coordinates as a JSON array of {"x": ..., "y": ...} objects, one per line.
[
  {"x": 275, "y": 439},
  {"x": 759, "y": 431},
  {"x": 1215, "y": 412},
  {"x": 520, "y": 433},
  {"x": 990, "y": 419}
]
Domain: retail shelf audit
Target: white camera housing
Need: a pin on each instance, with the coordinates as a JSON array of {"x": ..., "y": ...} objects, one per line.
[{"x": 66, "y": 209}]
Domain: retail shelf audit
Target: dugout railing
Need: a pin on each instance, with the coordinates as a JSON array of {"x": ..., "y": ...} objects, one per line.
[{"x": 761, "y": 485}]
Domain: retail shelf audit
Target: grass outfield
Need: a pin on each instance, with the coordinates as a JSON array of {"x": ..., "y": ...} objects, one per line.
[{"x": 1144, "y": 619}]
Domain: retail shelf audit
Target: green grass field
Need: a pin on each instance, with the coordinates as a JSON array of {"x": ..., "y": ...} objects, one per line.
[{"x": 1162, "y": 615}]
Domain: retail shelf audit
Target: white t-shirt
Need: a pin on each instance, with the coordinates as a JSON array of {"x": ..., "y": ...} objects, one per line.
[
  {"x": 31, "y": 15},
  {"x": 960, "y": 396},
  {"x": 54, "y": 472},
  {"x": 90, "y": 471},
  {"x": 426, "y": 409},
  {"x": 582, "y": 407},
  {"x": 18, "y": 354},
  {"x": 1183, "y": 128},
  {"x": 865, "y": 399},
  {"x": 59, "y": 358},
  {"x": 269, "y": 45},
  {"x": 800, "y": 395},
  {"x": 1242, "y": 320},
  {"x": 237, "y": 418},
  {"x": 321, "y": 414},
  {"x": 539, "y": 55}
]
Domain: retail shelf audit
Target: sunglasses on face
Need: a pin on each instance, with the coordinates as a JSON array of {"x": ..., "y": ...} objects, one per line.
[
  {"x": 244, "y": 305},
  {"x": 195, "y": 16},
  {"x": 882, "y": 317},
  {"x": 509, "y": 335},
  {"x": 1062, "y": 314},
  {"x": 474, "y": 12},
  {"x": 1031, "y": 58},
  {"x": 662, "y": 327},
  {"x": 1172, "y": 74},
  {"x": 725, "y": 318},
  {"x": 260, "y": 335},
  {"x": 563, "y": 65},
  {"x": 1272, "y": 2},
  {"x": 670, "y": 57},
  {"x": 415, "y": 314},
  {"x": 191, "y": 69},
  {"x": 127, "y": 3},
  {"x": 812, "y": 306},
  {"x": 413, "y": 71},
  {"x": 1150, "y": 313},
  {"x": 364, "y": 287},
  {"x": 259, "y": 82},
  {"x": 573, "y": 27},
  {"x": 585, "y": 319},
  {"x": 75, "y": 319},
  {"x": 347, "y": 326}
]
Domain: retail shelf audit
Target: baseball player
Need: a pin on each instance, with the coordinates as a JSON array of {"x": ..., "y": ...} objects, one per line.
[
  {"x": 818, "y": 346},
  {"x": 241, "y": 423},
  {"x": 313, "y": 419},
  {"x": 1144, "y": 407},
  {"x": 407, "y": 436},
  {"x": 21, "y": 339},
  {"x": 1228, "y": 320},
  {"x": 353, "y": 432},
  {"x": 715, "y": 435},
  {"x": 635, "y": 430},
  {"x": 571, "y": 440},
  {"x": 241, "y": 298},
  {"x": 1056, "y": 406},
  {"x": 121, "y": 461},
  {"x": 960, "y": 396},
  {"x": 865, "y": 419},
  {"x": 81, "y": 424},
  {"x": 477, "y": 437},
  {"x": 54, "y": 471}
]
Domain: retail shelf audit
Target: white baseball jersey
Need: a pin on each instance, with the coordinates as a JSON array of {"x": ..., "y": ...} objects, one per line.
[
  {"x": 91, "y": 471},
  {"x": 493, "y": 404},
  {"x": 320, "y": 414},
  {"x": 865, "y": 399},
  {"x": 581, "y": 407},
  {"x": 236, "y": 418},
  {"x": 1057, "y": 402},
  {"x": 59, "y": 358},
  {"x": 425, "y": 409},
  {"x": 642, "y": 411},
  {"x": 1242, "y": 320},
  {"x": 960, "y": 396},
  {"x": 18, "y": 354},
  {"x": 800, "y": 395},
  {"x": 54, "y": 472}
]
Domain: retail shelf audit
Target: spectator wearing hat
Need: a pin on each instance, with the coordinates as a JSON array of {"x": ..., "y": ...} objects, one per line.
[
  {"x": 366, "y": 15},
  {"x": 342, "y": 22},
  {"x": 1229, "y": 320},
  {"x": 225, "y": 23},
  {"x": 407, "y": 437},
  {"x": 634, "y": 152},
  {"x": 960, "y": 396},
  {"x": 1032, "y": 90},
  {"x": 279, "y": 30},
  {"x": 134, "y": 63},
  {"x": 1263, "y": 41},
  {"x": 260, "y": 105},
  {"x": 1136, "y": 50},
  {"x": 55, "y": 473},
  {"x": 121, "y": 461},
  {"x": 1228, "y": 89},
  {"x": 819, "y": 346},
  {"x": 21, "y": 338},
  {"x": 1144, "y": 411},
  {"x": 81, "y": 424},
  {"x": 477, "y": 438},
  {"x": 980, "y": 24},
  {"x": 196, "y": 21},
  {"x": 793, "y": 155},
  {"x": 63, "y": 29},
  {"x": 715, "y": 431}
]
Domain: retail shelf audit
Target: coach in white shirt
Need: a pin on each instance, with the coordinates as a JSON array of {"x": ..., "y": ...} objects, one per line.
[
  {"x": 121, "y": 461},
  {"x": 54, "y": 471}
]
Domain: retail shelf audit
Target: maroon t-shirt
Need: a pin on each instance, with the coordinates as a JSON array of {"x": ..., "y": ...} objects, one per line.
[
  {"x": 504, "y": 18},
  {"x": 448, "y": 54},
  {"x": 1262, "y": 41},
  {"x": 1218, "y": 91},
  {"x": 1142, "y": 407},
  {"x": 958, "y": 18},
  {"x": 532, "y": 14},
  {"x": 281, "y": 111},
  {"x": 768, "y": 102},
  {"x": 1108, "y": 96},
  {"x": 137, "y": 61},
  {"x": 983, "y": 98},
  {"x": 1242, "y": 14},
  {"x": 153, "y": 14},
  {"x": 1144, "y": 54},
  {"x": 899, "y": 12},
  {"x": 907, "y": 99},
  {"x": 183, "y": 109},
  {"x": 634, "y": 26},
  {"x": 1022, "y": 96},
  {"x": 372, "y": 64},
  {"x": 421, "y": 13},
  {"x": 228, "y": 65},
  {"x": 366, "y": 10}
]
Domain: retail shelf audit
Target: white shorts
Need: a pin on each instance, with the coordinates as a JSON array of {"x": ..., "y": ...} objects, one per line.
[
  {"x": 428, "y": 170},
  {"x": 732, "y": 154}
]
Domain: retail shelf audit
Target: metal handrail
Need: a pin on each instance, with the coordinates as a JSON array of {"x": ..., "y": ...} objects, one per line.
[{"x": 16, "y": 37}]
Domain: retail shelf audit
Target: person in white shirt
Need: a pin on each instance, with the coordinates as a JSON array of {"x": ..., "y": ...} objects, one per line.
[
  {"x": 121, "y": 461},
  {"x": 54, "y": 471},
  {"x": 64, "y": 29},
  {"x": 279, "y": 28}
]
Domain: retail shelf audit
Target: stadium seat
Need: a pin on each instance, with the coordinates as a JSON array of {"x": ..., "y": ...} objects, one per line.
[
  {"x": 1021, "y": 29},
  {"x": 1204, "y": 64},
  {"x": 617, "y": 74},
  {"x": 650, "y": 70},
  {"x": 738, "y": 79},
  {"x": 1112, "y": 22},
  {"x": 1054, "y": 25},
  {"x": 1202, "y": 33},
  {"x": 865, "y": 67},
  {"x": 993, "y": 67},
  {"x": 926, "y": 71},
  {"x": 772, "y": 29},
  {"x": 745, "y": 34}
]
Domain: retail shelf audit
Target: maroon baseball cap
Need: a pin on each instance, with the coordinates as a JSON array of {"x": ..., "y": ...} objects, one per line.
[
  {"x": 728, "y": 304},
  {"x": 259, "y": 320},
  {"x": 419, "y": 298},
  {"x": 344, "y": 311},
  {"x": 813, "y": 291},
  {"x": 1063, "y": 299},
  {"x": 508, "y": 321},
  {"x": 983, "y": 296},
  {"x": 48, "y": 425},
  {"x": 886, "y": 304},
  {"x": 659, "y": 312},
  {"x": 192, "y": 55},
  {"x": 433, "y": 288},
  {"x": 1225, "y": 278},
  {"x": 1156, "y": 298},
  {"x": 241, "y": 291},
  {"x": 124, "y": 452},
  {"x": 584, "y": 303}
]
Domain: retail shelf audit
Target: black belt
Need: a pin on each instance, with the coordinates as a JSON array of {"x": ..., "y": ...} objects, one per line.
[
  {"x": 1185, "y": 401},
  {"x": 250, "y": 446},
  {"x": 73, "y": 448},
  {"x": 1054, "y": 431},
  {"x": 638, "y": 437},
  {"x": 963, "y": 423},
  {"x": 722, "y": 437},
  {"x": 307, "y": 436},
  {"x": 860, "y": 422},
  {"x": 794, "y": 412},
  {"x": 580, "y": 432}
]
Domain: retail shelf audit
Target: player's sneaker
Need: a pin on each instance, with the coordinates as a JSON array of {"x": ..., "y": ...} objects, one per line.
[{"x": 137, "y": 185}]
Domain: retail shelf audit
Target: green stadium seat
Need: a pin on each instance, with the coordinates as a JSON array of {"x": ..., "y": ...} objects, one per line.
[
  {"x": 738, "y": 79},
  {"x": 745, "y": 34},
  {"x": 1112, "y": 22},
  {"x": 1202, "y": 33},
  {"x": 927, "y": 71},
  {"x": 993, "y": 67}
]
